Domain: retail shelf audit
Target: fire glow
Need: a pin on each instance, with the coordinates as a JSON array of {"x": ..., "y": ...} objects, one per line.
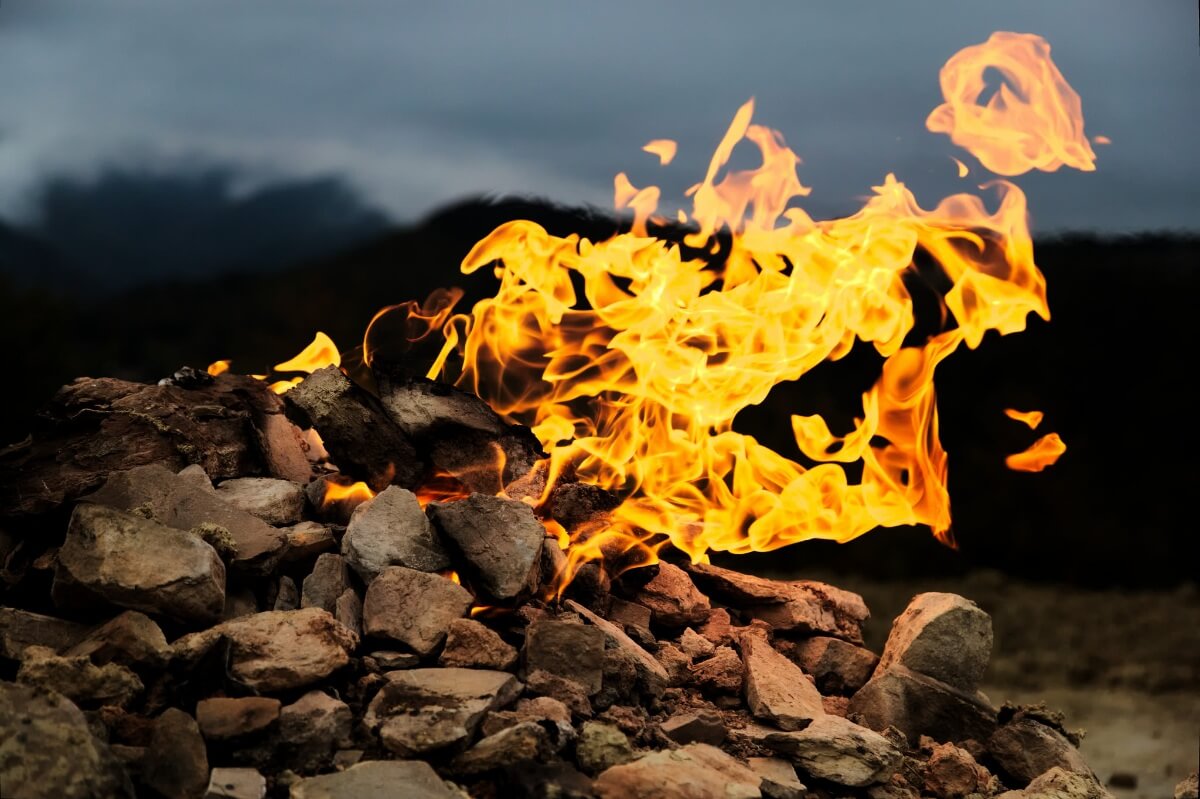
[{"x": 629, "y": 358}]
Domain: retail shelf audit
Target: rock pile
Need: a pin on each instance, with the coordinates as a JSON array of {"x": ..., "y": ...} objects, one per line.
[{"x": 177, "y": 638}]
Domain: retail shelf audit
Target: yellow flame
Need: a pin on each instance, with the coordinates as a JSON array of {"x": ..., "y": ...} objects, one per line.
[
  {"x": 1029, "y": 418},
  {"x": 1033, "y": 121},
  {"x": 963, "y": 171},
  {"x": 663, "y": 148},
  {"x": 1042, "y": 453},
  {"x": 320, "y": 353},
  {"x": 217, "y": 368},
  {"x": 335, "y": 492}
]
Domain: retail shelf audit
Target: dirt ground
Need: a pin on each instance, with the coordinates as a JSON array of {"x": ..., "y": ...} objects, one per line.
[{"x": 1123, "y": 665}]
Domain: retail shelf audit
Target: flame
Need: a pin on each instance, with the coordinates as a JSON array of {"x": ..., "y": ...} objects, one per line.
[
  {"x": 963, "y": 171},
  {"x": 320, "y": 353},
  {"x": 217, "y": 368},
  {"x": 1034, "y": 120},
  {"x": 1042, "y": 453},
  {"x": 1101, "y": 140},
  {"x": 663, "y": 148},
  {"x": 1029, "y": 418},
  {"x": 353, "y": 492}
]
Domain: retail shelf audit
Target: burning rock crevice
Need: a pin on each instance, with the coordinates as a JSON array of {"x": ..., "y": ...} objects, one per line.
[{"x": 190, "y": 639}]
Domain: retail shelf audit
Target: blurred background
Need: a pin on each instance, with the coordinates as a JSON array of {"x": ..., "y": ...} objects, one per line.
[{"x": 182, "y": 182}]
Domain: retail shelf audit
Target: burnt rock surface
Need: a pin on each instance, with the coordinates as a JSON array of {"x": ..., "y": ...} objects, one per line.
[{"x": 170, "y": 637}]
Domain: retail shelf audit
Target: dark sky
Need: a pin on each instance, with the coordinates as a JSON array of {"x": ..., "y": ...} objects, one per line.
[{"x": 417, "y": 104}]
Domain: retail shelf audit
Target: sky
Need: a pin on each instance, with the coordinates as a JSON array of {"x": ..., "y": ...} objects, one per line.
[{"x": 415, "y": 105}]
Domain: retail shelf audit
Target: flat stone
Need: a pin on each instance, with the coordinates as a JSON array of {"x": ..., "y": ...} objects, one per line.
[
  {"x": 779, "y": 780},
  {"x": 138, "y": 564},
  {"x": 512, "y": 747},
  {"x": 833, "y": 749},
  {"x": 629, "y": 614},
  {"x": 287, "y": 597},
  {"x": 176, "y": 762},
  {"x": 499, "y": 539},
  {"x": 776, "y": 689},
  {"x": 652, "y": 677},
  {"x": 569, "y": 649},
  {"x": 694, "y": 645},
  {"x": 274, "y": 501},
  {"x": 48, "y": 750},
  {"x": 696, "y": 771},
  {"x": 919, "y": 705},
  {"x": 130, "y": 639},
  {"x": 943, "y": 636},
  {"x": 424, "y": 710},
  {"x": 471, "y": 645},
  {"x": 377, "y": 779},
  {"x": 281, "y": 650},
  {"x": 673, "y": 598},
  {"x": 307, "y": 540},
  {"x": 1025, "y": 748},
  {"x": 705, "y": 727},
  {"x": 413, "y": 607},
  {"x": 328, "y": 579},
  {"x": 236, "y": 783},
  {"x": 179, "y": 503},
  {"x": 392, "y": 530},
  {"x": 601, "y": 746},
  {"x": 348, "y": 611},
  {"x": 389, "y": 660},
  {"x": 78, "y": 679},
  {"x": 722, "y": 673},
  {"x": 837, "y": 666},
  {"x": 20, "y": 629},
  {"x": 225, "y": 717},
  {"x": 803, "y": 606},
  {"x": 313, "y": 727}
]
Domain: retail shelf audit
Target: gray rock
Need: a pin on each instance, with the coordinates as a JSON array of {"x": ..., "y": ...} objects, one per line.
[
  {"x": 392, "y": 530},
  {"x": 348, "y": 611},
  {"x": 779, "y": 780},
  {"x": 413, "y": 607},
  {"x": 500, "y": 540},
  {"x": 139, "y": 564},
  {"x": 287, "y": 597},
  {"x": 377, "y": 779},
  {"x": 227, "y": 717},
  {"x": 197, "y": 475},
  {"x": 20, "y": 629},
  {"x": 176, "y": 762},
  {"x": 236, "y": 783},
  {"x": 673, "y": 598},
  {"x": 177, "y": 502},
  {"x": 511, "y": 747},
  {"x": 918, "y": 705},
  {"x": 308, "y": 539},
  {"x": 696, "y": 771},
  {"x": 776, "y": 689},
  {"x": 837, "y": 666},
  {"x": 695, "y": 645},
  {"x": 312, "y": 727},
  {"x": 833, "y": 749},
  {"x": 943, "y": 636},
  {"x": 274, "y": 501},
  {"x": 472, "y": 645},
  {"x": 569, "y": 649},
  {"x": 424, "y": 710},
  {"x": 130, "y": 639},
  {"x": 1025, "y": 748},
  {"x": 703, "y": 727},
  {"x": 78, "y": 679},
  {"x": 47, "y": 750},
  {"x": 601, "y": 746},
  {"x": 652, "y": 677},
  {"x": 322, "y": 587},
  {"x": 282, "y": 650}
]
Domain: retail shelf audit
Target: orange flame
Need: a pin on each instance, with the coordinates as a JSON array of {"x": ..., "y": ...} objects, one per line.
[
  {"x": 1029, "y": 418},
  {"x": 1042, "y": 453},
  {"x": 355, "y": 492},
  {"x": 1101, "y": 140},
  {"x": 320, "y": 353},
  {"x": 663, "y": 148},
  {"x": 217, "y": 368},
  {"x": 963, "y": 171},
  {"x": 1033, "y": 121}
]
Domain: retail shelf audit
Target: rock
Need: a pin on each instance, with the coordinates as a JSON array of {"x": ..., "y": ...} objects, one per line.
[
  {"x": 393, "y": 661},
  {"x": 178, "y": 503},
  {"x": 652, "y": 677},
  {"x": 274, "y": 501},
  {"x": 328, "y": 580},
  {"x": 1024, "y": 749},
  {"x": 1188, "y": 787},
  {"x": 287, "y": 597},
  {"x": 236, "y": 783},
  {"x": 952, "y": 773},
  {"x": 837, "y": 666},
  {"x": 677, "y": 664},
  {"x": 197, "y": 475},
  {"x": 348, "y": 611},
  {"x": 308, "y": 539},
  {"x": 718, "y": 630},
  {"x": 629, "y": 614},
  {"x": 500, "y": 540},
  {"x": 78, "y": 679},
  {"x": 471, "y": 645},
  {"x": 423, "y": 710},
  {"x": 138, "y": 564},
  {"x": 779, "y": 780},
  {"x": 392, "y": 530},
  {"x": 833, "y": 749},
  {"x": 600, "y": 747},
  {"x": 20, "y": 629},
  {"x": 943, "y": 636},
  {"x": 413, "y": 607},
  {"x": 538, "y": 709},
  {"x": 836, "y": 705},
  {"x": 705, "y": 727},
  {"x": 694, "y": 645},
  {"x": 281, "y": 650},
  {"x": 377, "y": 779},
  {"x": 176, "y": 763},
  {"x": 776, "y": 689},
  {"x": 571, "y": 650},
  {"x": 555, "y": 780},
  {"x": 239, "y": 602},
  {"x": 673, "y": 598},
  {"x": 696, "y": 771},
  {"x": 918, "y": 705},
  {"x": 312, "y": 727},
  {"x": 224, "y": 717},
  {"x": 722, "y": 673},
  {"x": 514, "y": 746},
  {"x": 575, "y": 504},
  {"x": 1058, "y": 783},
  {"x": 130, "y": 639},
  {"x": 804, "y": 606},
  {"x": 570, "y": 693},
  {"x": 47, "y": 750}
]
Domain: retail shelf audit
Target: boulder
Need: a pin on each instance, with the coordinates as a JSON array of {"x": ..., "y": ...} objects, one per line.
[
  {"x": 377, "y": 779},
  {"x": 918, "y": 705},
  {"x": 673, "y": 598},
  {"x": 943, "y": 636},
  {"x": 776, "y": 689},
  {"x": 833, "y": 749},
  {"x": 176, "y": 762},
  {"x": 499, "y": 539},
  {"x": 696, "y": 771},
  {"x": 471, "y": 645},
  {"x": 1025, "y": 748},
  {"x": 392, "y": 530},
  {"x": 274, "y": 501},
  {"x": 568, "y": 649},
  {"x": 413, "y": 607},
  {"x": 952, "y": 773},
  {"x": 281, "y": 650}
]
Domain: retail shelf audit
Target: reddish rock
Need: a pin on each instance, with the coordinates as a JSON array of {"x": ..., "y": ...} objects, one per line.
[
  {"x": 176, "y": 762},
  {"x": 837, "y": 666},
  {"x": 943, "y": 636},
  {"x": 130, "y": 639},
  {"x": 471, "y": 645},
  {"x": 413, "y": 607},
  {"x": 652, "y": 677},
  {"x": 918, "y": 705},
  {"x": 951, "y": 773},
  {"x": 704, "y": 726},
  {"x": 673, "y": 598},
  {"x": 718, "y": 628},
  {"x": 694, "y": 645},
  {"x": 570, "y": 693},
  {"x": 511, "y": 747},
  {"x": 779, "y": 780},
  {"x": 696, "y": 771},
  {"x": 224, "y": 717},
  {"x": 776, "y": 689},
  {"x": 541, "y": 708},
  {"x": 629, "y": 614},
  {"x": 721, "y": 673},
  {"x": 677, "y": 664},
  {"x": 1025, "y": 748}
]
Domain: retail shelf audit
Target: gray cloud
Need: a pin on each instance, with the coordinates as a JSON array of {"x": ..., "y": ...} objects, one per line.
[{"x": 421, "y": 104}]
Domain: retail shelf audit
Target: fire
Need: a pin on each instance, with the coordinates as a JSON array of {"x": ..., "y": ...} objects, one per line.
[
  {"x": 1033, "y": 121},
  {"x": 217, "y": 368},
  {"x": 1042, "y": 453},
  {"x": 354, "y": 492},
  {"x": 663, "y": 148},
  {"x": 1030, "y": 419}
]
